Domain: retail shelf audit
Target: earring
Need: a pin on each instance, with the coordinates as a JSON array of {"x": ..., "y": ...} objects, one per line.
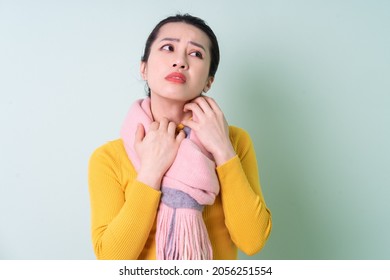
[{"x": 147, "y": 88}]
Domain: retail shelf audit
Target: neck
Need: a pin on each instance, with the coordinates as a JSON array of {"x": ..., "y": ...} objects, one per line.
[{"x": 169, "y": 109}]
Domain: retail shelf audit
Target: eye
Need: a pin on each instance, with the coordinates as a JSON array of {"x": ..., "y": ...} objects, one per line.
[
  {"x": 196, "y": 54},
  {"x": 167, "y": 48}
]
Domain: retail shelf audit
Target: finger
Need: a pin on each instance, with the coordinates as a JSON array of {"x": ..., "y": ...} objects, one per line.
[
  {"x": 154, "y": 126},
  {"x": 213, "y": 104},
  {"x": 204, "y": 105},
  {"x": 171, "y": 128},
  {"x": 139, "y": 133},
  {"x": 164, "y": 124},
  {"x": 180, "y": 136},
  {"x": 194, "y": 108}
]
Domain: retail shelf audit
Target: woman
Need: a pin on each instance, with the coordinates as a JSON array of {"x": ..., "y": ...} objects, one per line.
[{"x": 180, "y": 183}]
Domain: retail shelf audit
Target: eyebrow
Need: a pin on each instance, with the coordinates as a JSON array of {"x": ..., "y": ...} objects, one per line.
[{"x": 178, "y": 40}]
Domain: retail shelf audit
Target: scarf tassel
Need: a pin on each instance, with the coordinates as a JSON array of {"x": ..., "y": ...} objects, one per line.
[{"x": 182, "y": 235}]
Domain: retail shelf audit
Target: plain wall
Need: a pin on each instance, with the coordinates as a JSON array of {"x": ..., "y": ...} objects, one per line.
[{"x": 309, "y": 80}]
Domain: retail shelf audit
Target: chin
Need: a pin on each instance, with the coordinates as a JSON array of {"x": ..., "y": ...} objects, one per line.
[{"x": 176, "y": 96}]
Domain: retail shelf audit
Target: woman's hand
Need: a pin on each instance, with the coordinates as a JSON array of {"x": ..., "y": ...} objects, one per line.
[
  {"x": 156, "y": 150},
  {"x": 211, "y": 128}
]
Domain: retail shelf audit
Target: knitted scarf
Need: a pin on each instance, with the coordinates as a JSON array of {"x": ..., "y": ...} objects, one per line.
[{"x": 189, "y": 184}]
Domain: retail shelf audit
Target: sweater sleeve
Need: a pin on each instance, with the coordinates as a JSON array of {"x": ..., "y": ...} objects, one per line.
[
  {"x": 122, "y": 213},
  {"x": 246, "y": 215}
]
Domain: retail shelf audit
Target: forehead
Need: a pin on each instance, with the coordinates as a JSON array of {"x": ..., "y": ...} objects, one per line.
[{"x": 184, "y": 32}]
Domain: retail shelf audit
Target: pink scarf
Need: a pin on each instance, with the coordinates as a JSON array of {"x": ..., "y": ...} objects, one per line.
[{"x": 189, "y": 184}]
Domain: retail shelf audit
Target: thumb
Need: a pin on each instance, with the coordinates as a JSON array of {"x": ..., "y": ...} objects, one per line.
[
  {"x": 180, "y": 137},
  {"x": 139, "y": 133}
]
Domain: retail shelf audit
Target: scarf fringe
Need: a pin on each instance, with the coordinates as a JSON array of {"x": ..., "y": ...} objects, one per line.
[{"x": 182, "y": 235}]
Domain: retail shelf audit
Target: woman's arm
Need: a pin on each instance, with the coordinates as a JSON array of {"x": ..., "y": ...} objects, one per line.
[
  {"x": 246, "y": 215},
  {"x": 122, "y": 213}
]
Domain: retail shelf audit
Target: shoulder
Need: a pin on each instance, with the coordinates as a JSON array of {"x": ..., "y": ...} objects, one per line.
[
  {"x": 111, "y": 158},
  {"x": 239, "y": 135},
  {"x": 237, "y": 131},
  {"x": 110, "y": 152},
  {"x": 110, "y": 147},
  {"x": 241, "y": 140}
]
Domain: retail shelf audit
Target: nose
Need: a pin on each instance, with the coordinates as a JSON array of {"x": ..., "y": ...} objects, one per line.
[{"x": 181, "y": 63}]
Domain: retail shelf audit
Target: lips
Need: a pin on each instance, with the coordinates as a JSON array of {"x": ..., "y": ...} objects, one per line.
[{"x": 176, "y": 77}]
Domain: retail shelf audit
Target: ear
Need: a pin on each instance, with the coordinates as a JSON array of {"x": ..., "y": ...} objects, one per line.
[
  {"x": 143, "y": 70},
  {"x": 209, "y": 82}
]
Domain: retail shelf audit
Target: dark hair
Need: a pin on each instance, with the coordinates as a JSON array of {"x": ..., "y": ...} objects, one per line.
[{"x": 191, "y": 20}]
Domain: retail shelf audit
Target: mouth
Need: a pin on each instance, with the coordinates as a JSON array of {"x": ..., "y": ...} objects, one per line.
[{"x": 176, "y": 77}]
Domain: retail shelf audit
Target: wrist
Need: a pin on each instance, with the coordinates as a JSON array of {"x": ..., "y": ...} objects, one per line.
[
  {"x": 150, "y": 178},
  {"x": 224, "y": 155}
]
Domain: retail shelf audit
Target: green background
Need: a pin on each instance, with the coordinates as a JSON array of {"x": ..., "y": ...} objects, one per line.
[{"x": 309, "y": 80}]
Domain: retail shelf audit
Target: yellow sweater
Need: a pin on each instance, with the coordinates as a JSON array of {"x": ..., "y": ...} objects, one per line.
[{"x": 123, "y": 210}]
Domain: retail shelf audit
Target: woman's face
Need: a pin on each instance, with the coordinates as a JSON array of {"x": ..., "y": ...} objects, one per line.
[{"x": 179, "y": 62}]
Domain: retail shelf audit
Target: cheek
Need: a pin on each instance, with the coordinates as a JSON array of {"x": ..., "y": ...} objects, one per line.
[
  {"x": 154, "y": 68},
  {"x": 205, "y": 69},
  {"x": 203, "y": 74}
]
